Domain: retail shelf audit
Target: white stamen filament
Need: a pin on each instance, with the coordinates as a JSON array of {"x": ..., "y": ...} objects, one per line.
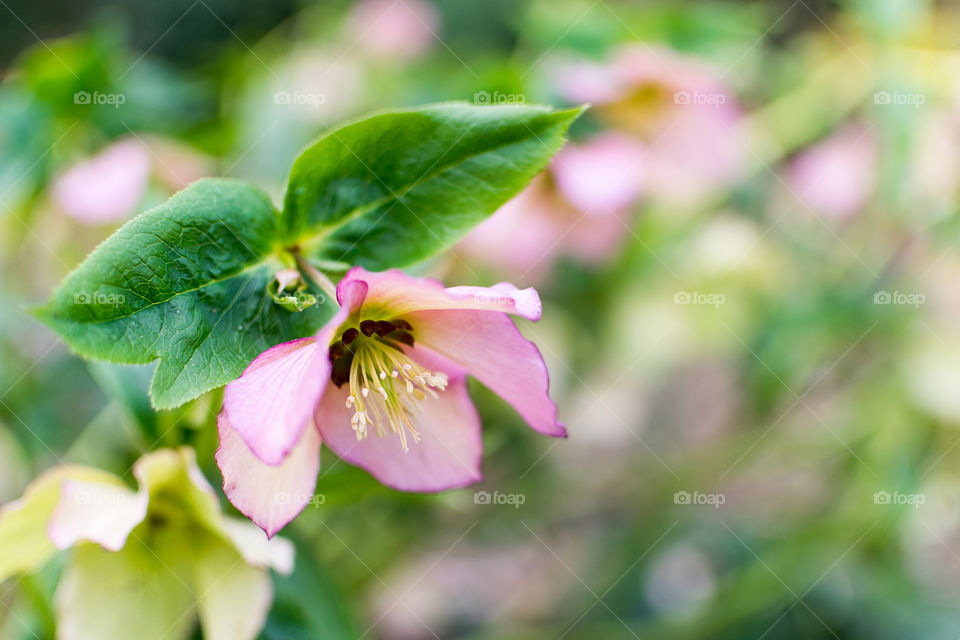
[{"x": 377, "y": 365}]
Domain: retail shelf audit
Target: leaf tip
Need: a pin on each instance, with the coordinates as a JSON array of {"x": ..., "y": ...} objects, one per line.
[
  {"x": 43, "y": 313},
  {"x": 572, "y": 113}
]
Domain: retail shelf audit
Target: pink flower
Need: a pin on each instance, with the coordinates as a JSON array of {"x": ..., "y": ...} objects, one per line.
[
  {"x": 601, "y": 175},
  {"x": 677, "y": 105},
  {"x": 385, "y": 384},
  {"x": 523, "y": 236},
  {"x": 580, "y": 207},
  {"x": 397, "y": 30},
  {"x": 107, "y": 187},
  {"x": 111, "y": 185},
  {"x": 836, "y": 177},
  {"x": 176, "y": 164}
]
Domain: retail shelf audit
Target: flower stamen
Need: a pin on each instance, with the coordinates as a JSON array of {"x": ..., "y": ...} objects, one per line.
[{"x": 375, "y": 361}]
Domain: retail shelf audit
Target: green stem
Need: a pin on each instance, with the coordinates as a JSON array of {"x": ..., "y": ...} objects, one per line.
[{"x": 314, "y": 274}]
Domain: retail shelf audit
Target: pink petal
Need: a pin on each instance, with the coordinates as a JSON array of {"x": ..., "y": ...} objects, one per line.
[
  {"x": 179, "y": 164},
  {"x": 679, "y": 106},
  {"x": 602, "y": 175},
  {"x": 521, "y": 237},
  {"x": 106, "y": 187},
  {"x": 836, "y": 177},
  {"x": 639, "y": 65},
  {"x": 448, "y": 454},
  {"x": 271, "y": 403},
  {"x": 491, "y": 348},
  {"x": 701, "y": 151},
  {"x": 586, "y": 81},
  {"x": 596, "y": 239},
  {"x": 397, "y": 293},
  {"x": 271, "y": 496},
  {"x": 351, "y": 293}
]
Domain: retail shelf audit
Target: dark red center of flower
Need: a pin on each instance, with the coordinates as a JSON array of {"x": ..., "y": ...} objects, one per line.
[{"x": 392, "y": 333}]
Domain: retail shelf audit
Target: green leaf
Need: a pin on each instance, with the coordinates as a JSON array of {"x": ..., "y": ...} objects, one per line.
[
  {"x": 398, "y": 187},
  {"x": 188, "y": 283},
  {"x": 309, "y": 604},
  {"x": 185, "y": 283}
]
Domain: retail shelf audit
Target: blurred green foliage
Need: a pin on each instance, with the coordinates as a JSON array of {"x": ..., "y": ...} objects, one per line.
[{"x": 825, "y": 416}]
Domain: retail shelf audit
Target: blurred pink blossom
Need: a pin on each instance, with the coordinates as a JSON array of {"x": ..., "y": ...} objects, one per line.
[
  {"x": 578, "y": 207},
  {"x": 176, "y": 164},
  {"x": 600, "y": 175},
  {"x": 394, "y": 29},
  {"x": 111, "y": 185},
  {"x": 319, "y": 84},
  {"x": 442, "y": 591},
  {"x": 522, "y": 236},
  {"x": 636, "y": 68},
  {"x": 677, "y": 105},
  {"x": 836, "y": 176},
  {"x": 107, "y": 187}
]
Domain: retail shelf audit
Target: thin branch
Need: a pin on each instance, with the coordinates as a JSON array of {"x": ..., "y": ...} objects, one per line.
[{"x": 314, "y": 274}]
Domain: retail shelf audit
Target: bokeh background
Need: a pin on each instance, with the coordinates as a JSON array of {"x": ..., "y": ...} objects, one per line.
[{"x": 749, "y": 261}]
